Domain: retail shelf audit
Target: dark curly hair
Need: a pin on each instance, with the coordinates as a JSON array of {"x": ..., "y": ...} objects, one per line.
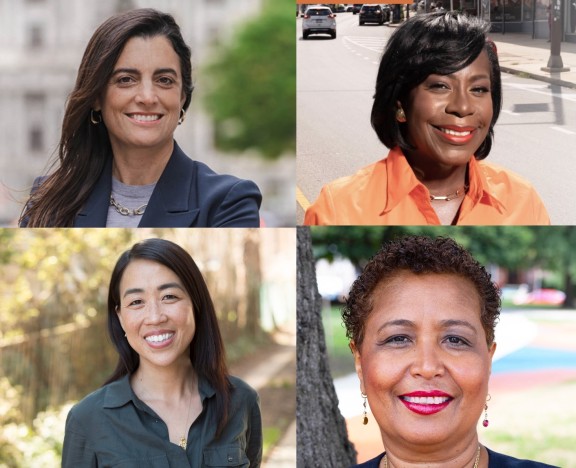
[{"x": 419, "y": 255}]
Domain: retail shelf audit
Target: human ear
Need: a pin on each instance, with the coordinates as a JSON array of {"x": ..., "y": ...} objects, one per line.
[
  {"x": 491, "y": 351},
  {"x": 358, "y": 364}
]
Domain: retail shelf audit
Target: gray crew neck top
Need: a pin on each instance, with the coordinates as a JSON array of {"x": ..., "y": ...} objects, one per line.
[{"x": 130, "y": 196}]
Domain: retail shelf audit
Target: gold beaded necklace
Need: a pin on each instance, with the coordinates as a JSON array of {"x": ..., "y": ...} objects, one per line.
[{"x": 385, "y": 459}]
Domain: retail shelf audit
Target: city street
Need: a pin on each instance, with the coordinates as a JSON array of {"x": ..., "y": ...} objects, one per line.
[{"x": 535, "y": 135}]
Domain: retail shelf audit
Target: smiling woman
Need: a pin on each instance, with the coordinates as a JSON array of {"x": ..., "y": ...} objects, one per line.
[
  {"x": 421, "y": 320},
  {"x": 438, "y": 96},
  {"x": 118, "y": 163},
  {"x": 170, "y": 401}
]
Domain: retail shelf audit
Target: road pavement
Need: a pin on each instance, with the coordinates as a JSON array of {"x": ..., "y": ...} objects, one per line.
[{"x": 534, "y": 137}]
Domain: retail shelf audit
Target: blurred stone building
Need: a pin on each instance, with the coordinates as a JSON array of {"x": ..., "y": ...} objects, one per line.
[{"x": 41, "y": 45}]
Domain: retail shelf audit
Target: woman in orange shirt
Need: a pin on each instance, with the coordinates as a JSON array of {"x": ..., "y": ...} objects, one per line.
[{"x": 438, "y": 97}]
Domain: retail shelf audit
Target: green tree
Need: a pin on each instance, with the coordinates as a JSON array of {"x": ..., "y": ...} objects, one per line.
[
  {"x": 515, "y": 248},
  {"x": 251, "y": 85},
  {"x": 555, "y": 250}
]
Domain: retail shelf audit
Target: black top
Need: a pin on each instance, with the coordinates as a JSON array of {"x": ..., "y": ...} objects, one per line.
[
  {"x": 188, "y": 194},
  {"x": 113, "y": 427},
  {"x": 495, "y": 460}
]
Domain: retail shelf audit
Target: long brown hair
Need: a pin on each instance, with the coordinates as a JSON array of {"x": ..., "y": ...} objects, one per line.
[
  {"x": 85, "y": 148},
  {"x": 206, "y": 349}
]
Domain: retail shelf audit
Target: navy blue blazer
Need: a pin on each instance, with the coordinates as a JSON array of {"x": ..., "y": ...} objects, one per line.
[
  {"x": 495, "y": 460},
  {"x": 188, "y": 194}
]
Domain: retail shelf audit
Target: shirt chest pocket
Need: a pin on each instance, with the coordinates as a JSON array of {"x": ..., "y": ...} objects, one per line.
[
  {"x": 153, "y": 462},
  {"x": 225, "y": 455}
]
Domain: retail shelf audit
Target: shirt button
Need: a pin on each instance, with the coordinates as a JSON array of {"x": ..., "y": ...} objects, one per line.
[{"x": 230, "y": 459}]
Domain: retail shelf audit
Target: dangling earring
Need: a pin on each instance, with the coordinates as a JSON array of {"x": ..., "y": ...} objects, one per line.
[
  {"x": 400, "y": 115},
  {"x": 182, "y": 115},
  {"x": 94, "y": 120},
  {"x": 365, "y": 414},
  {"x": 486, "y": 422}
]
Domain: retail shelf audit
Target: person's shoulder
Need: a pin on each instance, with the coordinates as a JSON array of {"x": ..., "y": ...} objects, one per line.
[
  {"x": 497, "y": 176},
  {"x": 202, "y": 170},
  {"x": 499, "y": 460},
  {"x": 110, "y": 395},
  {"x": 242, "y": 388},
  {"x": 374, "y": 463},
  {"x": 345, "y": 185},
  {"x": 89, "y": 406}
]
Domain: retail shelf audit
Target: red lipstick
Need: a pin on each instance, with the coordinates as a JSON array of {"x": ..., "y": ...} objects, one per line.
[
  {"x": 455, "y": 134},
  {"x": 426, "y": 402}
]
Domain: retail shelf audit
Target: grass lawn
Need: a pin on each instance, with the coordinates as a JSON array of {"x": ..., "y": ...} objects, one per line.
[
  {"x": 339, "y": 354},
  {"x": 537, "y": 424}
]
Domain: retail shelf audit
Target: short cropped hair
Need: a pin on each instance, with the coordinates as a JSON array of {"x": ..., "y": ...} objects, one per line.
[
  {"x": 439, "y": 43},
  {"x": 419, "y": 255}
]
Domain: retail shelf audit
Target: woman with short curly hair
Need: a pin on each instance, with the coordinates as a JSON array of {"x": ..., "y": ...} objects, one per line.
[{"x": 421, "y": 319}]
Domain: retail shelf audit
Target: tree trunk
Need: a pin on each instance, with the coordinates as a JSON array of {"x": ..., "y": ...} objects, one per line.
[
  {"x": 253, "y": 282},
  {"x": 322, "y": 437}
]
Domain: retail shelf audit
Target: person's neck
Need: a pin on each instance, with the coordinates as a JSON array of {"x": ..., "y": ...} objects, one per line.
[
  {"x": 142, "y": 166},
  {"x": 460, "y": 455},
  {"x": 440, "y": 180},
  {"x": 171, "y": 383}
]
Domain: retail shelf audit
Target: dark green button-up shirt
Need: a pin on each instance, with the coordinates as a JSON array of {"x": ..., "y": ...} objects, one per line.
[{"x": 112, "y": 427}]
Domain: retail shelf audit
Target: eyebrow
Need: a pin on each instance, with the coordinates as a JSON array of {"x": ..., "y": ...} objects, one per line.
[
  {"x": 444, "y": 324},
  {"x": 162, "y": 287},
  {"x": 458, "y": 323},
  {"x": 135, "y": 71},
  {"x": 481, "y": 76}
]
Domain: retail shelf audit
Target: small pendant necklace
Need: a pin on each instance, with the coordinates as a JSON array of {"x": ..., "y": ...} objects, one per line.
[
  {"x": 183, "y": 440},
  {"x": 183, "y": 443},
  {"x": 450, "y": 196},
  {"x": 476, "y": 461}
]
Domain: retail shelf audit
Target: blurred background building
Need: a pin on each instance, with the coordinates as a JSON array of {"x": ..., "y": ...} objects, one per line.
[{"x": 41, "y": 45}]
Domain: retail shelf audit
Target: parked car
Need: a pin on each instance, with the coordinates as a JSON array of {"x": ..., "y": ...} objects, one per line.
[
  {"x": 373, "y": 14},
  {"x": 350, "y": 8},
  {"x": 319, "y": 20},
  {"x": 545, "y": 296},
  {"x": 356, "y": 8},
  {"x": 514, "y": 293}
]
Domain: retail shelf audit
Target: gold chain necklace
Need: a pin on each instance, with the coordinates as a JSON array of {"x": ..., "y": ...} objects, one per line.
[
  {"x": 385, "y": 458},
  {"x": 127, "y": 211},
  {"x": 184, "y": 439},
  {"x": 450, "y": 196}
]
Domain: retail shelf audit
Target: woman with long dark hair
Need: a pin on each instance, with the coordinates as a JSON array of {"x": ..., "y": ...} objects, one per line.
[
  {"x": 118, "y": 163},
  {"x": 170, "y": 399}
]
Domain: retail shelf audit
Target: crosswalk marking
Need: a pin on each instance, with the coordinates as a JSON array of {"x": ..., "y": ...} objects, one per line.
[{"x": 375, "y": 44}]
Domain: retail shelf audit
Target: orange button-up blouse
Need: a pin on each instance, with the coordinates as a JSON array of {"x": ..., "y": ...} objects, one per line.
[{"x": 388, "y": 192}]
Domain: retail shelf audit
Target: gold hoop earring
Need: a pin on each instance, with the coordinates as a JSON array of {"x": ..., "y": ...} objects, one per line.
[
  {"x": 182, "y": 116},
  {"x": 93, "y": 119},
  {"x": 400, "y": 115}
]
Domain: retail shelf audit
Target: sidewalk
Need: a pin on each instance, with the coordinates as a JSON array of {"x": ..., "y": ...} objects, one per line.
[
  {"x": 283, "y": 455},
  {"x": 521, "y": 55}
]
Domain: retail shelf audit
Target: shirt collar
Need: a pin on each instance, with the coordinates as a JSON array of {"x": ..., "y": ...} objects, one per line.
[
  {"x": 402, "y": 182},
  {"x": 479, "y": 191},
  {"x": 119, "y": 393}
]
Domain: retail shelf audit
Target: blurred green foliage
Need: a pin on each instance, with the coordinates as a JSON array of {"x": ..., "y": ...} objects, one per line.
[
  {"x": 251, "y": 85},
  {"x": 512, "y": 247}
]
